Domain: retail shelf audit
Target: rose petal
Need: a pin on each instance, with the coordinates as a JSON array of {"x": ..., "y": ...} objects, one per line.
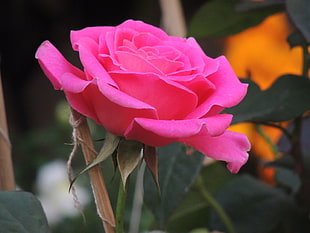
[
  {"x": 81, "y": 104},
  {"x": 229, "y": 90},
  {"x": 145, "y": 39},
  {"x": 135, "y": 63},
  {"x": 121, "y": 35},
  {"x": 114, "y": 109},
  {"x": 208, "y": 135},
  {"x": 90, "y": 32},
  {"x": 73, "y": 83},
  {"x": 168, "y": 52},
  {"x": 201, "y": 86},
  {"x": 111, "y": 46},
  {"x": 166, "y": 66},
  {"x": 122, "y": 99},
  {"x": 88, "y": 56},
  {"x": 54, "y": 64},
  {"x": 230, "y": 147},
  {"x": 175, "y": 129},
  {"x": 139, "y": 26},
  {"x": 170, "y": 99},
  {"x": 192, "y": 57}
]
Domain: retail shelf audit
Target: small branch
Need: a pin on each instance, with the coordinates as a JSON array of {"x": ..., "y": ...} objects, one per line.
[
  {"x": 7, "y": 181},
  {"x": 100, "y": 192},
  {"x": 284, "y": 130},
  {"x": 215, "y": 205}
]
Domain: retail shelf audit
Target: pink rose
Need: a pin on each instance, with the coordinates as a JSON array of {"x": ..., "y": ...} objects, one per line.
[{"x": 144, "y": 85}]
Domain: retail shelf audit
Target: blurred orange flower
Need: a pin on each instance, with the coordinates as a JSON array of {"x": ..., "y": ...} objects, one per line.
[{"x": 263, "y": 54}]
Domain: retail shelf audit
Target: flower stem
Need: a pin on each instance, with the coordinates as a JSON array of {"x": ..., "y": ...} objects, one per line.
[
  {"x": 100, "y": 192},
  {"x": 7, "y": 181},
  {"x": 215, "y": 205},
  {"x": 120, "y": 208}
]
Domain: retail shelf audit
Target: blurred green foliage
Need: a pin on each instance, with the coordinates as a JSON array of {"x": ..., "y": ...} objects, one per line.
[{"x": 251, "y": 205}]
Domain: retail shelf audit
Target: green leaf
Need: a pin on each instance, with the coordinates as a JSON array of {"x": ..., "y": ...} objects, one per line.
[
  {"x": 299, "y": 13},
  {"x": 193, "y": 211},
  {"x": 246, "y": 5},
  {"x": 128, "y": 157},
  {"x": 288, "y": 178},
  {"x": 21, "y": 212},
  {"x": 286, "y": 99},
  {"x": 177, "y": 171},
  {"x": 252, "y": 206},
  {"x": 219, "y": 18},
  {"x": 296, "y": 39},
  {"x": 285, "y": 161}
]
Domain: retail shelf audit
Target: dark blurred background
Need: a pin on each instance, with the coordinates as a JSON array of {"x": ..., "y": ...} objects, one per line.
[
  {"x": 29, "y": 96},
  {"x": 26, "y": 23}
]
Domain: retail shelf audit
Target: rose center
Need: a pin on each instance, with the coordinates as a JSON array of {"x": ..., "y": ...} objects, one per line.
[{"x": 158, "y": 59}]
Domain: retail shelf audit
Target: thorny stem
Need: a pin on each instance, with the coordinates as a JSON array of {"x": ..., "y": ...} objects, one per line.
[
  {"x": 100, "y": 192},
  {"x": 215, "y": 205}
]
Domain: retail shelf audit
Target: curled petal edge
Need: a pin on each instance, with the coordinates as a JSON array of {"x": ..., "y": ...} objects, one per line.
[{"x": 210, "y": 139}]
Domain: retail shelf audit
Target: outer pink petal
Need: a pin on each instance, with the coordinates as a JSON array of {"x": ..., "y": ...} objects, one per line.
[
  {"x": 82, "y": 104},
  {"x": 54, "y": 64},
  {"x": 208, "y": 135},
  {"x": 90, "y": 32},
  {"x": 140, "y": 26},
  {"x": 162, "y": 132},
  {"x": 74, "y": 89},
  {"x": 107, "y": 111},
  {"x": 170, "y": 99},
  {"x": 66, "y": 77},
  {"x": 88, "y": 55},
  {"x": 122, "y": 99},
  {"x": 230, "y": 147},
  {"x": 229, "y": 90},
  {"x": 72, "y": 83}
]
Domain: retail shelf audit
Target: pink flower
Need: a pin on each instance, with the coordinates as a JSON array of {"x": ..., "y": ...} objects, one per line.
[{"x": 144, "y": 85}]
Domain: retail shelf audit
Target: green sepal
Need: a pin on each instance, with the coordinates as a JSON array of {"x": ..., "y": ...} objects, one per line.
[
  {"x": 150, "y": 156},
  {"x": 128, "y": 157},
  {"x": 110, "y": 144}
]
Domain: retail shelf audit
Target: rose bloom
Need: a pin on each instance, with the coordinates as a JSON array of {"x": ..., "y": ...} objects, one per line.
[{"x": 141, "y": 84}]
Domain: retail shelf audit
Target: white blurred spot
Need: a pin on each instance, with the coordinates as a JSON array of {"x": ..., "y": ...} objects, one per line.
[{"x": 53, "y": 192}]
